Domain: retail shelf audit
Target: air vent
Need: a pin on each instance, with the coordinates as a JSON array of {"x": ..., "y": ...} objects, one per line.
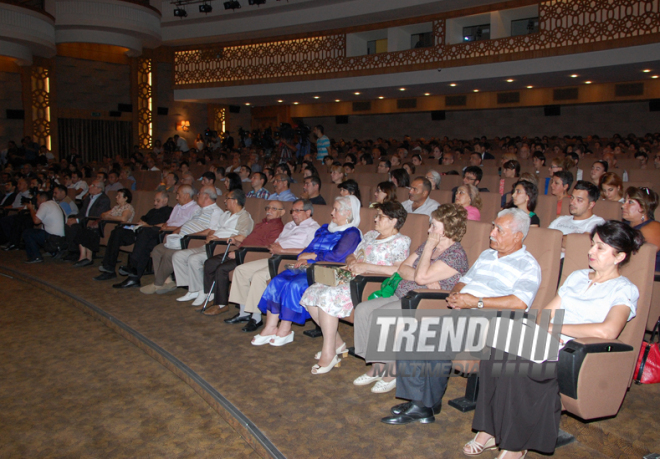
[
  {"x": 361, "y": 106},
  {"x": 629, "y": 89},
  {"x": 406, "y": 103},
  {"x": 565, "y": 94},
  {"x": 508, "y": 98},
  {"x": 455, "y": 101}
]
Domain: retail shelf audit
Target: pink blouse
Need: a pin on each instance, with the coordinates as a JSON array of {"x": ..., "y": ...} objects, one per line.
[{"x": 473, "y": 213}]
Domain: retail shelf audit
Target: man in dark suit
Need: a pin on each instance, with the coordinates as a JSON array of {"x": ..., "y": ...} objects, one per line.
[
  {"x": 93, "y": 206},
  {"x": 10, "y": 193}
]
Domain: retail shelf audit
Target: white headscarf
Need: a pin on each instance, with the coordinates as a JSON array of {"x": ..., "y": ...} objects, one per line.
[{"x": 354, "y": 221}]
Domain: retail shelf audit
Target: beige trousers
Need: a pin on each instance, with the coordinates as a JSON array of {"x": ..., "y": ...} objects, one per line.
[{"x": 249, "y": 283}]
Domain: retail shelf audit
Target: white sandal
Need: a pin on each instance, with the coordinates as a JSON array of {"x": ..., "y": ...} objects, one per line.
[
  {"x": 341, "y": 350},
  {"x": 365, "y": 379},
  {"x": 319, "y": 370},
  {"x": 260, "y": 340},
  {"x": 475, "y": 448}
]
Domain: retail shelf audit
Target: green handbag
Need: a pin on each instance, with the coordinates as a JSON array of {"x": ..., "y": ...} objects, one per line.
[{"x": 387, "y": 288}]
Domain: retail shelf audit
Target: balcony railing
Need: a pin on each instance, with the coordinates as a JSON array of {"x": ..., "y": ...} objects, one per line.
[{"x": 34, "y": 4}]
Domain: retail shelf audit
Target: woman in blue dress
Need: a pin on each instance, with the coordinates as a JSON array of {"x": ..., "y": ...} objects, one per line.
[{"x": 281, "y": 300}]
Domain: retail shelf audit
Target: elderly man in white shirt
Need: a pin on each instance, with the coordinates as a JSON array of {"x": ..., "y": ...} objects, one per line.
[
  {"x": 506, "y": 276},
  {"x": 250, "y": 279},
  {"x": 79, "y": 185},
  {"x": 189, "y": 264},
  {"x": 419, "y": 201}
]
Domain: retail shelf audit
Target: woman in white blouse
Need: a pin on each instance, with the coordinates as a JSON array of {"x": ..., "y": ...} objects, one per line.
[{"x": 519, "y": 413}]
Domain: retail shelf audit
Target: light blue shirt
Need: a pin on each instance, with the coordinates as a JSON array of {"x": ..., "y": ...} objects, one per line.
[{"x": 285, "y": 196}]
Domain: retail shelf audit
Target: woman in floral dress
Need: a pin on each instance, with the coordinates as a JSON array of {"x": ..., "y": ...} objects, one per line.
[{"x": 380, "y": 252}]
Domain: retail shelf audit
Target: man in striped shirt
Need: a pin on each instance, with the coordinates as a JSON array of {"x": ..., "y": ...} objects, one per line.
[{"x": 322, "y": 143}]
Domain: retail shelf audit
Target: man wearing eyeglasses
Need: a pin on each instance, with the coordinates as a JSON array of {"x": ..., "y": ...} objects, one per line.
[
  {"x": 282, "y": 191},
  {"x": 250, "y": 279},
  {"x": 264, "y": 234},
  {"x": 312, "y": 190}
]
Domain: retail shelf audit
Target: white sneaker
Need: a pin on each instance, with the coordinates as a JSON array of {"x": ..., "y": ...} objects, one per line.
[
  {"x": 202, "y": 298},
  {"x": 188, "y": 296},
  {"x": 382, "y": 387}
]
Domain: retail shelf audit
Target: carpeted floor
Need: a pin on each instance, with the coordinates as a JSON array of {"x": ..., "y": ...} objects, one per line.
[
  {"x": 71, "y": 387},
  {"x": 302, "y": 414}
]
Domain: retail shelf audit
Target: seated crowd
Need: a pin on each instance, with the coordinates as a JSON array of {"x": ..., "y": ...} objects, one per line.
[{"x": 65, "y": 210}]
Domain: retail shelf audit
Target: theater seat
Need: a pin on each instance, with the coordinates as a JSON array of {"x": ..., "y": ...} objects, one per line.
[{"x": 594, "y": 374}]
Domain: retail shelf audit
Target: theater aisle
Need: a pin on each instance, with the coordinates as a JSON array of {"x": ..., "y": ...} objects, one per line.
[{"x": 71, "y": 387}]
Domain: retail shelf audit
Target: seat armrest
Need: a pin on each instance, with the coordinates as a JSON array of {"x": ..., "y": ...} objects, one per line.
[
  {"x": 358, "y": 284},
  {"x": 274, "y": 263},
  {"x": 572, "y": 356},
  {"x": 185, "y": 240},
  {"x": 413, "y": 298},
  {"x": 162, "y": 234},
  {"x": 210, "y": 247},
  {"x": 243, "y": 251},
  {"x": 103, "y": 222}
]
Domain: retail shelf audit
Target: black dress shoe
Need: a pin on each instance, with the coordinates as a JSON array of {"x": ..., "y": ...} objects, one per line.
[
  {"x": 105, "y": 276},
  {"x": 9, "y": 247},
  {"x": 124, "y": 270},
  {"x": 35, "y": 260},
  {"x": 128, "y": 283},
  {"x": 237, "y": 319},
  {"x": 82, "y": 263},
  {"x": 252, "y": 325},
  {"x": 414, "y": 413},
  {"x": 398, "y": 409}
]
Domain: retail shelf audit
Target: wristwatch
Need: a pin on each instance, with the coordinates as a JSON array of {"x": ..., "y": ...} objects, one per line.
[{"x": 480, "y": 303}]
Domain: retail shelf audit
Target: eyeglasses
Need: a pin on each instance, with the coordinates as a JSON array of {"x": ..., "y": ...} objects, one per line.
[
  {"x": 227, "y": 199},
  {"x": 296, "y": 210},
  {"x": 271, "y": 208},
  {"x": 381, "y": 216}
]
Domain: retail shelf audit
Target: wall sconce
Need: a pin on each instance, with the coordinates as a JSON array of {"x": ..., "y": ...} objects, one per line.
[{"x": 183, "y": 126}]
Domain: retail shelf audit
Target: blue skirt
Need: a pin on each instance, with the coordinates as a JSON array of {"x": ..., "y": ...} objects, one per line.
[{"x": 283, "y": 295}]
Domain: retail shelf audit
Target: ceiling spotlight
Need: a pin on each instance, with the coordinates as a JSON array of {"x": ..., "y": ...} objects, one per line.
[
  {"x": 356, "y": 93},
  {"x": 427, "y": 93},
  {"x": 280, "y": 101},
  {"x": 402, "y": 89},
  {"x": 510, "y": 80},
  {"x": 452, "y": 84},
  {"x": 380, "y": 97},
  {"x": 530, "y": 87},
  {"x": 574, "y": 76},
  {"x": 247, "y": 103},
  {"x": 180, "y": 13},
  {"x": 475, "y": 90},
  {"x": 206, "y": 8},
  {"x": 295, "y": 103},
  {"x": 231, "y": 5},
  {"x": 316, "y": 97},
  {"x": 587, "y": 82},
  {"x": 256, "y": 2},
  {"x": 654, "y": 76},
  {"x": 336, "y": 100},
  {"x": 646, "y": 70}
]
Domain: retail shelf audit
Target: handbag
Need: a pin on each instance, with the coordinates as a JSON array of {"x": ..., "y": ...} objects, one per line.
[
  {"x": 647, "y": 370},
  {"x": 387, "y": 288},
  {"x": 332, "y": 276}
]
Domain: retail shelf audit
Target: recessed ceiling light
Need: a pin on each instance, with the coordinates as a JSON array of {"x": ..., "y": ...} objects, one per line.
[
  {"x": 336, "y": 100},
  {"x": 646, "y": 70},
  {"x": 654, "y": 76},
  {"x": 530, "y": 87},
  {"x": 510, "y": 80},
  {"x": 574, "y": 76},
  {"x": 402, "y": 89},
  {"x": 280, "y": 101},
  {"x": 295, "y": 103},
  {"x": 247, "y": 103},
  {"x": 316, "y": 97},
  {"x": 427, "y": 93},
  {"x": 587, "y": 82},
  {"x": 475, "y": 90},
  {"x": 380, "y": 97},
  {"x": 452, "y": 84},
  {"x": 356, "y": 93}
]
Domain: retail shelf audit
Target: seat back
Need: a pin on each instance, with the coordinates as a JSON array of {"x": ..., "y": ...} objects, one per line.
[
  {"x": 576, "y": 257},
  {"x": 654, "y": 309},
  {"x": 416, "y": 228},
  {"x": 476, "y": 239},
  {"x": 545, "y": 245},
  {"x": 442, "y": 196},
  {"x": 491, "y": 205},
  {"x": 448, "y": 182},
  {"x": 546, "y": 209},
  {"x": 607, "y": 210}
]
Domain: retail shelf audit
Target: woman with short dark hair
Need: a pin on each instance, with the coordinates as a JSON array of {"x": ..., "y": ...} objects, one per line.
[
  {"x": 524, "y": 197},
  {"x": 638, "y": 210}
]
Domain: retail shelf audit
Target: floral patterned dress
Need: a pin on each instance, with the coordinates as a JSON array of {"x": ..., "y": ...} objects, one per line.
[
  {"x": 118, "y": 211},
  {"x": 336, "y": 301}
]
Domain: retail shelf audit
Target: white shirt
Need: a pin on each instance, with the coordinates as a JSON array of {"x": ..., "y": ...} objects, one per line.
[
  {"x": 203, "y": 219},
  {"x": 491, "y": 276},
  {"x": 52, "y": 216},
  {"x": 298, "y": 236},
  {"x": 181, "y": 214},
  {"x": 182, "y": 144},
  {"x": 584, "y": 304},
  {"x": 427, "y": 208},
  {"x": 568, "y": 225},
  {"x": 80, "y": 185}
]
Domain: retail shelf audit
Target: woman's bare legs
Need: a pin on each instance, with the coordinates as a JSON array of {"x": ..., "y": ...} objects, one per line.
[
  {"x": 84, "y": 253},
  {"x": 378, "y": 368},
  {"x": 331, "y": 338},
  {"x": 271, "y": 324}
]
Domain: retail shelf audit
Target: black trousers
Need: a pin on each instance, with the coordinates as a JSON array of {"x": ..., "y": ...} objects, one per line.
[
  {"x": 422, "y": 381},
  {"x": 12, "y": 226},
  {"x": 145, "y": 241},
  {"x": 215, "y": 269},
  {"x": 72, "y": 235},
  {"x": 119, "y": 237}
]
